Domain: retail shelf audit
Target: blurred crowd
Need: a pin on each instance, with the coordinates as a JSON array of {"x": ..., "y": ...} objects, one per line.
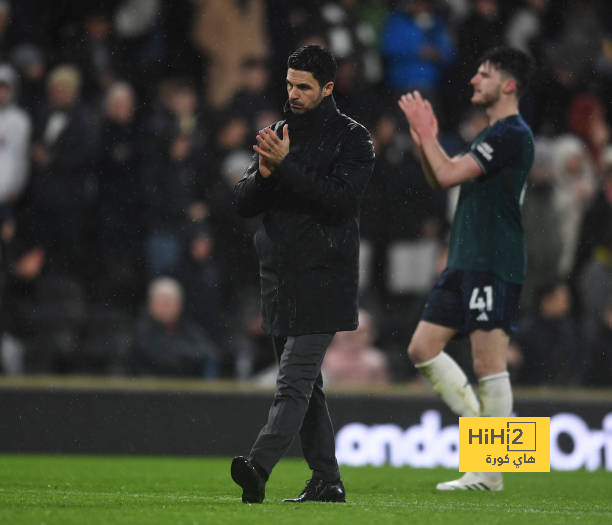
[{"x": 124, "y": 125}]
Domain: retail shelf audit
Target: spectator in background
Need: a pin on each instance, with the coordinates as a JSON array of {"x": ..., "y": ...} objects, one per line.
[
  {"x": 200, "y": 277},
  {"x": 373, "y": 218},
  {"x": 165, "y": 342},
  {"x": 234, "y": 234},
  {"x": 228, "y": 31},
  {"x": 94, "y": 51},
  {"x": 417, "y": 47},
  {"x": 353, "y": 40},
  {"x": 587, "y": 120},
  {"x": 62, "y": 186},
  {"x": 598, "y": 349},
  {"x": 542, "y": 218},
  {"x": 44, "y": 310},
  {"x": 5, "y": 36},
  {"x": 137, "y": 25},
  {"x": 481, "y": 30},
  {"x": 119, "y": 201},
  {"x": 593, "y": 269},
  {"x": 533, "y": 27},
  {"x": 573, "y": 54},
  {"x": 404, "y": 228},
  {"x": 596, "y": 231},
  {"x": 575, "y": 187},
  {"x": 232, "y": 129},
  {"x": 545, "y": 349},
  {"x": 353, "y": 96},
  {"x": 246, "y": 341},
  {"x": 567, "y": 61},
  {"x": 31, "y": 66},
  {"x": 229, "y": 157},
  {"x": 174, "y": 171},
  {"x": 352, "y": 360},
  {"x": 253, "y": 100},
  {"x": 525, "y": 26},
  {"x": 15, "y": 128}
]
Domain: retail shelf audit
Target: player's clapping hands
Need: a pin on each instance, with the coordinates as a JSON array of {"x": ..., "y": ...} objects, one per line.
[
  {"x": 272, "y": 150},
  {"x": 420, "y": 115}
]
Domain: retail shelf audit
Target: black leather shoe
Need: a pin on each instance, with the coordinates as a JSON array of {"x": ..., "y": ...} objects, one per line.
[
  {"x": 319, "y": 490},
  {"x": 253, "y": 484}
]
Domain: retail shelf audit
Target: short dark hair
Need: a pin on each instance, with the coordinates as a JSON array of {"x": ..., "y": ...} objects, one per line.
[
  {"x": 315, "y": 59},
  {"x": 514, "y": 62}
]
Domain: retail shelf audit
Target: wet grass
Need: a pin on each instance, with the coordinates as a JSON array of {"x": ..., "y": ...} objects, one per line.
[{"x": 36, "y": 489}]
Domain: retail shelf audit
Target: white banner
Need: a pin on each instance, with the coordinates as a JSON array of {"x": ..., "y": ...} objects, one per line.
[{"x": 428, "y": 444}]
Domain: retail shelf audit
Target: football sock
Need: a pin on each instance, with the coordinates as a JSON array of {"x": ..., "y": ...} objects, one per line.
[
  {"x": 448, "y": 380},
  {"x": 495, "y": 395}
]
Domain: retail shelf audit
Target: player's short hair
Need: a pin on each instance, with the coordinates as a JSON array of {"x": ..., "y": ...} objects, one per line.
[
  {"x": 514, "y": 62},
  {"x": 315, "y": 59}
]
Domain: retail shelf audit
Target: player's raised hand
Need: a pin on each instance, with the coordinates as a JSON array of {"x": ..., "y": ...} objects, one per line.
[
  {"x": 264, "y": 166},
  {"x": 272, "y": 148},
  {"x": 406, "y": 104},
  {"x": 421, "y": 115},
  {"x": 434, "y": 120}
]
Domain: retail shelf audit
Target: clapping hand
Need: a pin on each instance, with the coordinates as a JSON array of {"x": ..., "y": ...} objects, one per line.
[
  {"x": 272, "y": 150},
  {"x": 420, "y": 116}
]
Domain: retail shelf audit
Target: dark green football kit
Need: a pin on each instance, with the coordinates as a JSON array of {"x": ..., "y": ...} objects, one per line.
[{"x": 486, "y": 266}]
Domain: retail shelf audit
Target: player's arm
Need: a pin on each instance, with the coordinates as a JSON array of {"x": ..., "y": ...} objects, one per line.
[
  {"x": 429, "y": 174},
  {"x": 441, "y": 171},
  {"x": 446, "y": 171},
  {"x": 256, "y": 191}
]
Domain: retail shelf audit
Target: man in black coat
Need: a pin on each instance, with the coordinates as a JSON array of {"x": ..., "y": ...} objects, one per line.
[{"x": 307, "y": 179}]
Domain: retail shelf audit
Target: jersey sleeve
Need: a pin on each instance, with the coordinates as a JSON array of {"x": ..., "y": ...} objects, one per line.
[{"x": 499, "y": 149}]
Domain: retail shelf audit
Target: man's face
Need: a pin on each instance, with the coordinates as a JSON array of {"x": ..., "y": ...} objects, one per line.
[
  {"x": 304, "y": 91},
  {"x": 165, "y": 307},
  {"x": 487, "y": 84},
  {"x": 62, "y": 95}
]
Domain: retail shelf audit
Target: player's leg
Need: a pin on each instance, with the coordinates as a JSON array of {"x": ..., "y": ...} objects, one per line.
[
  {"x": 426, "y": 350},
  {"x": 318, "y": 446},
  {"x": 489, "y": 352},
  {"x": 317, "y": 437},
  {"x": 442, "y": 318},
  {"x": 493, "y": 307},
  {"x": 300, "y": 365}
]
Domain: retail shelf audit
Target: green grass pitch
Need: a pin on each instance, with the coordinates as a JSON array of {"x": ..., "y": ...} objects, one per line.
[{"x": 149, "y": 490}]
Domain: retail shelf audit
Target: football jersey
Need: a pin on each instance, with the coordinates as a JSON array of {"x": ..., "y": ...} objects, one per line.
[{"x": 487, "y": 230}]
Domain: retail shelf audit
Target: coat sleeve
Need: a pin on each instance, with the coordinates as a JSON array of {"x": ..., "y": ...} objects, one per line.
[
  {"x": 253, "y": 194},
  {"x": 339, "y": 192}
]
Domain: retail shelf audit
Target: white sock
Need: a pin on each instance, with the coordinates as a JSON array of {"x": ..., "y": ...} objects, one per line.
[
  {"x": 495, "y": 395},
  {"x": 447, "y": 378}
]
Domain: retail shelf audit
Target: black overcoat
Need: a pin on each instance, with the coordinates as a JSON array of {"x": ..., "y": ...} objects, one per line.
[{"x": 308, "y": 245}]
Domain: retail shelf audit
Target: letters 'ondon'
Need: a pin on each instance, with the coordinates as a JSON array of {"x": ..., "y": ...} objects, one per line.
[{"x": 504, "y": 444}]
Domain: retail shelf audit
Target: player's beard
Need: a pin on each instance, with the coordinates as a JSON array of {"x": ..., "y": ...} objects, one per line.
[
  {"x": 486, "y": 100},
  {"x": 301, "y": 109}
]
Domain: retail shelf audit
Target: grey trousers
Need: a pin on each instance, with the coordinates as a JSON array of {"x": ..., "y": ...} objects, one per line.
[{"x": 299, "y": 406}]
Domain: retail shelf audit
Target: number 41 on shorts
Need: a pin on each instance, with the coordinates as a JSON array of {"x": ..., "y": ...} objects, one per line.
[{"x": 482, "y": 301}]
